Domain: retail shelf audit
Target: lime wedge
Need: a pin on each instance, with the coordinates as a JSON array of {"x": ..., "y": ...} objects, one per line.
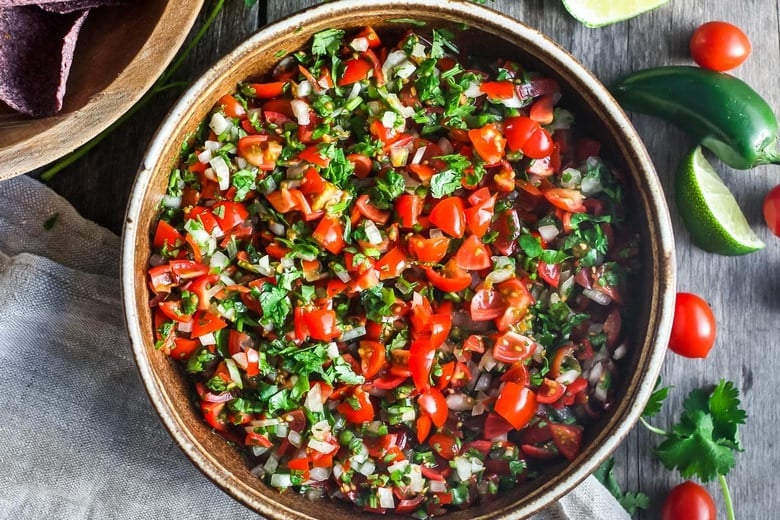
[
  {"x": 709, "y": 210},
  {"x": 595, "y": 13}
]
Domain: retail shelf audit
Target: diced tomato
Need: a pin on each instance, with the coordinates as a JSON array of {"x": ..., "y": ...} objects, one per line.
[
  {"x": 166, "y": 236},
  {"x": 566, "y": 199},
  {"x": 449, "y": 216},
  {"x": 473, "y": 255},
  {"x": 392, "y": 264},
  {"x": 498, "y": 89},
  {"x": 516, "y": 403},
  {"x": 205, "y": 322},
  {"x": 160, "y": 279},
  {"x": 488, "y": 142},
  {"x": 358, "y": 408},
  {"x": 451, "y": 278},
  {"x": 330, "y": 234},
  {"x": 371, "y": 212},
  {"x": 550, "y": 273},
  {"x": 421, "y": 354},
  {"x": 183, "y": 348},
  {"x": 434, "y": 405},
  {"x": 229, "y": 214},
  {"x": 231, "y": 106},
  {"x": 372, "y": 358},
  {"x": 258, "y": 150},
  {"x": 265, "y": 90},
  {"x": 511, "y": 347},
  {"x": 480, "y": 215},
  {"x": 428, "y": 250},
  {"x": 542, "y": 110},
  {"x": 312, "y": 154},
  {"x": 444, "y": 445},
  {"x": 355, "y": 70},
  {"x": 408, "y": 208},
  {"x": 549, "y": 391},
  {"x": 567, "y": 438},
  {"x": 321, "y": 324}
]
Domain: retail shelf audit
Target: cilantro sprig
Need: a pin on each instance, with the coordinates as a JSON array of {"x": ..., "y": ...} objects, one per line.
[
  {"x": 629, "y": 500},
  {"x": 705, "y": 439}
]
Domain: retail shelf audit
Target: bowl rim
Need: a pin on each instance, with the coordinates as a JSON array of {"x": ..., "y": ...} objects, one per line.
[
  {"x": 662, "y": 270},
  {"x": 105, "y": 107}
]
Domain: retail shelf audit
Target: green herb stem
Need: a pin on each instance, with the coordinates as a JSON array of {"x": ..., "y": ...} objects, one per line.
[
  {"x": 652, "y": 428},
  {"x": 724, "y": 486},
  {"x": 160, "y": 85}
]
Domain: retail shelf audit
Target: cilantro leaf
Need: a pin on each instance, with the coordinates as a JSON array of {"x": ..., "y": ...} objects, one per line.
[
  {"x": 630, "y": 501},
  {"x": 656, "y": 401},
  {"x": 703, "y": 442},
  {"x": 327, "y": 42},
  {"x": 387, "y": 189},
  {"x": 693, "y": 451},
  {"x": 342, "y": 371},
  {"x": 275, "y": 304},
  {"x": 530, "y": 246},
  {"x": 339, "y": 170},
  {"x": 444, "y": 183},
  {"x": 378, "y": 302}
]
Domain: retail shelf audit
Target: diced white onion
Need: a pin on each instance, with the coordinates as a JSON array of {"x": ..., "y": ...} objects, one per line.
[
  {"x": 277, "y": 228},
  {"x": 473, "y": 91},
  {"x": 418, "y": 155},
  {"x": 219, "y": 124},
  {"x": 343, "y": 276},
  {"x": 399, "y": 466},
  {"x": 304, "y": 88},
  {"x": 205, "y": 156},
  {"x": 437, "y": 486},
  {"x": 282, "y": 430},
  {"x": 388, "y": 119},
  {"x": 338, "y": 470},
  {"x": 313, "y": 401},
  {"x": 281, "y": 480},
  {"x": 207, "y": 339},
  {"x": 264, "y": 266},
  {"x": 591, "y": 185},
  {"x": 372, "y": 232},
  {"x": 393, "y": 60},
  {"x": 320, "y": 446},
  {"x": 600, "y": 393},
  {"x": 405, "y": 69},
  {"x": 235, "y": 375},
  {"x": 271, "y": 464},
  {"x": 513, "y": 102},
  {"x": 476, "y": 465},
  {"x": 354, "y": 333},
  {"x": 418, "y": 50},
  {"x": 416, "y": 481},
  {"x": 287, "y": 263},
  {"x": 294, "y": 438},
  {"x": 597, "y": 296},
  {"x": 171, "y": 202},
  {"x": 222, "y": 170},
  {"x": 319, "y": 473},
  {"x": 359, "y": 44},
  {"x": 262, "y": 423},
  {"x": 483, "y": 383},
  {"x": 445, "y": 145},
  {"x": 463, "y": 468},
  {"x": 184, "y": 326},
  {"x": 355, "y": 92},
  {"x": 570, "y": 178},
  {"x": 241, "y": 163},
  {"x": 620, "y": 352},
  {"x": 595, "y": 373},
  {"x": 367, "y": 468},
  {"x": 460, "y": 402},
  {"x": 219, "y": 261},
  {"x": 301, "y": 111},
  {"x": 487, "y": 362},
  {"x": 321, "y": 430},
  {"x": 212, "y": 146},
  {"x": 333, "y": 350},
  {"x": 568, "y": 377},
  {"x": 398, "y": 156},
  {"x": 548, "y": 232},
  {"x": 386, "y": 499}
]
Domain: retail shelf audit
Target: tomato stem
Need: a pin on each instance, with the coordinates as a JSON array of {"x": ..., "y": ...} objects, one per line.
[
  {"x": 159, "y": 86},
  {"x": 652, "y": 428},
  {"x": 724, "y": 486}
]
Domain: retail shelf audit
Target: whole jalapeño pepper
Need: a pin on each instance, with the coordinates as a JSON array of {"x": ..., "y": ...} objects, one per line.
[{"x": 722, "y": 112}]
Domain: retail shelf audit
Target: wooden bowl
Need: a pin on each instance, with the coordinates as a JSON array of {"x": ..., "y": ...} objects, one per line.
[
  {"x": 121, "y": 51},
  {"x": 491, "y": 34}
]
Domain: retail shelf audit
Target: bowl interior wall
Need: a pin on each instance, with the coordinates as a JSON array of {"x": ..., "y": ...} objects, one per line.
[{"x": 202, "y": 446}]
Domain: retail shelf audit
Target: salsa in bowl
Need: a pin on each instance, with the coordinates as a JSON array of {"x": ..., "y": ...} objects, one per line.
[{"x": 398, "y": 274}]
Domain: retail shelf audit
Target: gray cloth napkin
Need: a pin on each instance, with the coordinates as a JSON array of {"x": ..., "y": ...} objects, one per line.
[{"x": 79, "y": 438}]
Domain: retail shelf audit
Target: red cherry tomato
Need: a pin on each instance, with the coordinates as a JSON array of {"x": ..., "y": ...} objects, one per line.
[
  {"x": 449, "y": 216},
  {"x": 719, "y": 46},
  {"x": 771, "y": 210},
  {"x": 693, "y": 328},
  {"x": 434, "y": 405},
  {"x": 473, "y": 255},
  {"x": 567, "y": 438},
  {"x": 444, "y": 445},
  {"x": 690, "y": 501},
  {"x": 372, "y": 358},
  {"x": 358, "y": 410},
  {"x": 428, "y": 250},
  {"x": 516, "y": 403}
]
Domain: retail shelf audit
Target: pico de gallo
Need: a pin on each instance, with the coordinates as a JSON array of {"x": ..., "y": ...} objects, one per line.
[{"x": 394, "y": 276}]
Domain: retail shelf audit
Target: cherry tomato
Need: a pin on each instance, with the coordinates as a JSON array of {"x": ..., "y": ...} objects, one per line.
[
  {"x": 371, "y": 212},
  {"x": 266, "y": 90},
  {"x": 488, "y": 143},
  {"x": 260, "y": 151},
  {"x": 355, "y": 69},
  {"x": 719, "y": 46},
  {"x": 549, "y": 391},
  {"x": 693, "y": 328},
  {"x": 566, "y": 199},
  {"x": 231, "y": 106},
  {"x": 486, "y": 304},
  {"x": 372, "y": 358},
  {"x": 392, "y": 264},
  {"x": 448, "y": 215},
  {"x": 434, "y": 405},
  {"x": 444, "y": 445},
  {"x": 329, "y": 233},
  {"x": 511, "y": 347},
  {"x": 480, "y": 215},
  {"x": 473, "y": 255},
  {"x": 408, "y": 207},
  {"x": 516, "y": 403},
  {"x": 359, "y": 409},
  {"x": 689, "y": 501},
  {"x": 204, "y": 322},
  {"x": 771, "y": 210},
  {"x": 428, "y": 250},
  {"x": 567, "y": 438},
  {"x": 451, "y": 279},
  {"x": 321, "y": 324}
]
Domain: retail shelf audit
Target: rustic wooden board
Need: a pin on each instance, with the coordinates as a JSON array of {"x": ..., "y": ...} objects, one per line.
[{"x": 743, "y": 291}]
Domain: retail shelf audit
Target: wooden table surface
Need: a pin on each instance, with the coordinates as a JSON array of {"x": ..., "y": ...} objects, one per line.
[{"x": 743, "y": 291}]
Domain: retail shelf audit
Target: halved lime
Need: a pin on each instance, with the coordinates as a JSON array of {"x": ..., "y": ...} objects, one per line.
[
  {"x": 709, "y": 210},
  {"x": 595, "y": 13}
]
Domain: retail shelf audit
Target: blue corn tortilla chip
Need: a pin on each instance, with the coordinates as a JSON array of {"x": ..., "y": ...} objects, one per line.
[{"x": 36, "y": 50}]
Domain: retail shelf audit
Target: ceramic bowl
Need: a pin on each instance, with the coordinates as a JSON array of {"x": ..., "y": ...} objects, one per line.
[
  {"x": 121, "y": 51},
  {"x": 491, "y": 34}
]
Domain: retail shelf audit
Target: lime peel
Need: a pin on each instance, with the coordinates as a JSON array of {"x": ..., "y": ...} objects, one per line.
[
  {"x": 596, "y": 13},
  {"x": 709, "y": 210}
]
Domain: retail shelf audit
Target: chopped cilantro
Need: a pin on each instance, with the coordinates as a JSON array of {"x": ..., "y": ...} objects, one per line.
[
  {"x": 328, "y": 41},
  {"x": 387, "y": 189},
  {"x": 275, "y": 304}
]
